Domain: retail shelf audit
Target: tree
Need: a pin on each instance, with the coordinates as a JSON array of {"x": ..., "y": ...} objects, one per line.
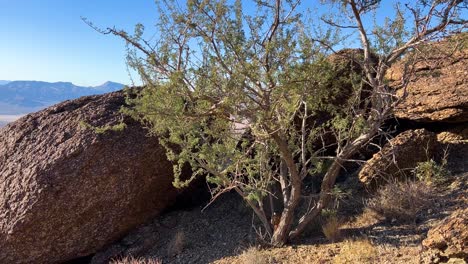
[{"x": 219, "y": 72}]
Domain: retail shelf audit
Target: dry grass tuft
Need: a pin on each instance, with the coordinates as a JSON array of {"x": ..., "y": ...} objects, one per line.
[
  {"x": 402, "y": 201},
  {"x": 357, "y": 251},
  {"x": 367, "y": 218},
  {"x": 254, "y": 256},
  {"x": 331, "y": 229},
  {"x": 132, "y": 260},
  {"x": 177, "y": 244}
]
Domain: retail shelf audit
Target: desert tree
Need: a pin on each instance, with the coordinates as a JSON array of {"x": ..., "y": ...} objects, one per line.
[{"x": 250, "y": 99}]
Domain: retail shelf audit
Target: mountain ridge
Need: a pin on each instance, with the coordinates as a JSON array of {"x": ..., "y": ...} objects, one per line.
[{"x": 20, "y": 97}]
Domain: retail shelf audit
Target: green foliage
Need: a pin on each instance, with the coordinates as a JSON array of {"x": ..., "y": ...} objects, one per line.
[
  {"x": 329, "y": 213},
  {"x": 392, "y": 32},
  {"x": 338, "y": 193},
  {"x": 239, "y": 95},
  {"x": 103, "y": 129},
  {"x": 432, "y": 172},
  {"x": 198, "y": 107}
]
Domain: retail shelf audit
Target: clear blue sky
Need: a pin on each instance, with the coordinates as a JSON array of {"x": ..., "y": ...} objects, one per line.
[{"x": 47, "y": 40}]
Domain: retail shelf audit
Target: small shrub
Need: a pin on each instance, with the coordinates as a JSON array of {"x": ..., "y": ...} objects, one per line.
[
  {"x": 328, "y": 213},
  {"x": 331, "y": 229},
  {"x": 132, "y": 260},
  {"x": 357, "y": 251},
  {"x": 431, "y": 171},
  {"x": 402, "y": 201},
  {"x": 254, "y": 256}
]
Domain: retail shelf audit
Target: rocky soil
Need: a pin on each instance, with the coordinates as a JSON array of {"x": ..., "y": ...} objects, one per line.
[{"x": 223, "y": 233}]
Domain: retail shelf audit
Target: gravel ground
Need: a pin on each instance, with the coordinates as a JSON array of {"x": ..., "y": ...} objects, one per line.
[{"x": 223, "y": 232}]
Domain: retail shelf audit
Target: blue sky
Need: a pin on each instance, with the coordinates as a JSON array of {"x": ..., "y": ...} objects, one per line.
[{"x": 47, "y": 40}]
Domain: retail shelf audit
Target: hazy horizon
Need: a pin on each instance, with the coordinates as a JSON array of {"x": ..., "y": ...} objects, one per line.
[
  {"x": 23, "y": 97},
  {"x": 5, "y": 119},
  {"x": 62, "y": 81}
]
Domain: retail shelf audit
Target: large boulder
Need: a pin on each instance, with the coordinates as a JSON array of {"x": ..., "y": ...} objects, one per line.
[
  {"x": 450, "y": 237},
  {"x": 347, "y": 64},
  {"x": 66, "y": 189},
  {"x": 349, "y": 61},
  {"x": 398, "y": 156},
  {"x": 438, "y": 91}
]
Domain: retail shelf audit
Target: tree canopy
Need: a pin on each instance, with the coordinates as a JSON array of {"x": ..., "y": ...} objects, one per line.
[{"x": 253, "y": 100}]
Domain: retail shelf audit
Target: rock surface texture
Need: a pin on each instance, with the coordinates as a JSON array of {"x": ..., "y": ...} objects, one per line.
[
  {"x": 66, "y": 191},
  {"x": 450, "y": 237},
  {"x": 455, "y": 135},
  {"x": 439, "y": 90},
  {"x": 398, "y": 156}
]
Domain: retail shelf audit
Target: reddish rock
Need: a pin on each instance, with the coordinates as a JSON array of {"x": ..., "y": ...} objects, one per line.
[
  {"x": 438, "y": 92},
  {"x": 450, "y": 237},
  {"x": 398, "y": 156},
  {"x": 66, "y": 191}
]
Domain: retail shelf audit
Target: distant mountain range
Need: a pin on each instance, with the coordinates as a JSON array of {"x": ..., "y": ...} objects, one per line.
[{"x": 22, "y": 97}]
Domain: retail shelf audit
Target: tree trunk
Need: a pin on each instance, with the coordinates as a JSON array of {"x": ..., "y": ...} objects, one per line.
[
  {"x": 291, "y": 185},
  {"x": 330, "y": 178},
  {"x": 281, "y": 233},
  {"x": 325, "y": 197}
]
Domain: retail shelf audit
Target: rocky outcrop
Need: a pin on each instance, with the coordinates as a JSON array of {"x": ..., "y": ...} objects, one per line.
[
  {"x": 438, "y": 92},
  {"x": 453, "y": 147},
  {"x": 349, "y": 60},
  {"x": 347, "y": 66},
  {"x": 455, "y": 135},
  {"x": 67, "y": 190},
  {"x": 450, "y": 237},
  {"x": 398, "y": 156}
]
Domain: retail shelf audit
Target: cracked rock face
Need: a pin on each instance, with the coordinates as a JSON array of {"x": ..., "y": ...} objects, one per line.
[
  {"x": 397, "y": 157},
  {"x": 450, "y": 237},
  {"x": 66, "y": 191},
  {"x": 438, "y": 92}
]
